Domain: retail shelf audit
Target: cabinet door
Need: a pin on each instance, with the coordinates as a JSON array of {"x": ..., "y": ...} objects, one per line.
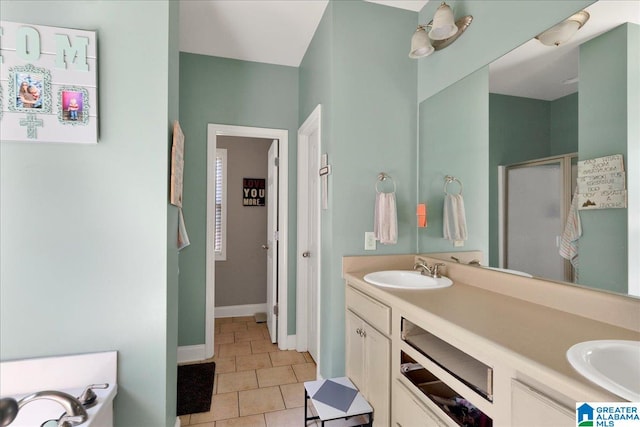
[
  {"x": 377, "y": 362},
  {"x": 529, "y": 408},
  {"x": 355, "y": 351},
  {"x": 408, "y": 411}
]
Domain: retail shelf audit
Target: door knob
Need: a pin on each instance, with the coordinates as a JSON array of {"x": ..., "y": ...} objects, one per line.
[
  {"x": 265, "y": 247},
  {"x": 306, "y": 254}
]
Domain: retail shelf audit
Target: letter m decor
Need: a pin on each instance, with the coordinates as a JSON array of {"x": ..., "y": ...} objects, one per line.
[{"x": 48, "y": 84}]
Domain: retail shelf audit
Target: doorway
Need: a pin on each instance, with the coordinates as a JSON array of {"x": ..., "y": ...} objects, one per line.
[
  {"x": 279, "y": 237},
  {"x": 309, "y": 227}
]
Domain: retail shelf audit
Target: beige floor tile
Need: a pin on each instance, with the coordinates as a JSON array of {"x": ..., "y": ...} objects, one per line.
[
  {"x": 266, "y": 334},
  {"x": 236, "y": 381},
  {"x": 236, "y": 349},
  {"x": 223, "y": 406},
  {"x": 287, "y": 418},
  {"x": 250, "y": 421},
  {"x": 264, "y": 346},
  {"x": 225, "y": 365},
  {"x": 253, "y": 325},
  {"x": 275, "y": 376},
  {"x": 308, "y": 357},
  {"x": 289, "y": 357},
  {"x": 184, "y": 420},
  {"x": 249, "y": 335},
  {"x": 253, "y": 361},
  {"x": 205, "y": 424},
  {"x": 245, "y": 319},
  {"x": 233, "y": 327},
  {"x": 293, "y": 395},
  {"x": 223, "y": 320},
  {"x": 260, "y": 400},
  {"x": 224, "y": 338},
  {"x": 305, "y": 371}
]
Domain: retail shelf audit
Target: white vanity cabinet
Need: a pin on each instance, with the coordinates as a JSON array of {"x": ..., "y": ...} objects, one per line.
[
  {"x": 531, "y": 408},
  {"x": 409, "y": 411},
  {"x": 368, "y": 351}
]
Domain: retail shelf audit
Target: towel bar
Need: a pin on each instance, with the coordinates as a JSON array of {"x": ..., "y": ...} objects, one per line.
[
  {"x": 448, "y": 180},
  {"x": 382, "y": 176}
]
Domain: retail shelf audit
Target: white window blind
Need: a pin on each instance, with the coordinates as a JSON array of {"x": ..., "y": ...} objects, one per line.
[{"x": 220, "y": 241}]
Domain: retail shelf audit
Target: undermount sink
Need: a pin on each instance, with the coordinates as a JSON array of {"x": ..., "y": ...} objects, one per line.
[
  {"x": 612, "y": 364},
  {"x": 406, "y": 279}
]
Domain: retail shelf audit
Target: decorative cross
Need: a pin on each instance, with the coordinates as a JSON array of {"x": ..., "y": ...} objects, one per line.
[{"x": 32, "y": 123}]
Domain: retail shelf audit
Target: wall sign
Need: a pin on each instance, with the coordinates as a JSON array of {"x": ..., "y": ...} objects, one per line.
[
  {"x": 602, "y": 183},
  {"x": 253, "y": 192},
  {"x": 48, "y": 84}
]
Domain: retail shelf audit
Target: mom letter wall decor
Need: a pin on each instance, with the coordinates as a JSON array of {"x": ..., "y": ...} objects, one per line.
[{"x": 48, "y": 84}]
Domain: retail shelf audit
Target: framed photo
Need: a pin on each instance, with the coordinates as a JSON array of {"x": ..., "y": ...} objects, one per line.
[
  {"x": 29, "y": 89},
  {"x": 73, "y": 105}
]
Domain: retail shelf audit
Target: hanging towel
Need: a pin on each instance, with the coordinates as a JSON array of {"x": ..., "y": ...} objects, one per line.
[
  {"x": 454, "y": 221},
  {"x": 571, "y": 234},
  {"x": 385, "y": 219},
  {"x": 183, "y": 237}
]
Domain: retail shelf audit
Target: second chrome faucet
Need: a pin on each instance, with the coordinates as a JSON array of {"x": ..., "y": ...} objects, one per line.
[{"x": 426, "y": 270}]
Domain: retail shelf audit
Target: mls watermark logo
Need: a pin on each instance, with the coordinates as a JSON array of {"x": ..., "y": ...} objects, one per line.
[{"x": 607, "y": 414}]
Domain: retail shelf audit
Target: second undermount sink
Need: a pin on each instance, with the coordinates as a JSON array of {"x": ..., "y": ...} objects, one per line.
[
  {"x": 406, "y": 279},
  {"x": 612, "y": 364}
]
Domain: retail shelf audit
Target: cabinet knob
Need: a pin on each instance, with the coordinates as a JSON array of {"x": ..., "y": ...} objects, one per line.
[
  {"x": 364, "y": 334},
  {"x": 359, "y": 331}
]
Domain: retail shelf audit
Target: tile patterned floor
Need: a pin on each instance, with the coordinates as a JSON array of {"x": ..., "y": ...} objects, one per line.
[{"x": 256, "y": 384}]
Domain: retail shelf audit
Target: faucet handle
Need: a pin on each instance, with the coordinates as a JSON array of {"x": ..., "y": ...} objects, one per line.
[
  {"x": 436, "y": 269},
  {"x": 88, "y": 397}
]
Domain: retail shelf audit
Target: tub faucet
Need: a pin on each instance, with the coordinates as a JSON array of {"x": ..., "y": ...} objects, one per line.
[
  {"x": 74, "y": 411},
  {"x": 425, "y": 270}
]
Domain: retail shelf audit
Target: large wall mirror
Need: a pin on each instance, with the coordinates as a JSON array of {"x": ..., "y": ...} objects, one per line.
[{"x": 549, "y": 107}]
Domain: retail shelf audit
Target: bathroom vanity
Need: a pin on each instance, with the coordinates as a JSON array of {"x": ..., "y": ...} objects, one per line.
[{"x": 488, "y": 351}]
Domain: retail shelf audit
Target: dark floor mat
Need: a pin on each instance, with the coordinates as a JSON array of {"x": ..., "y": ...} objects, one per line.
[{"x": 195, "y": 386}]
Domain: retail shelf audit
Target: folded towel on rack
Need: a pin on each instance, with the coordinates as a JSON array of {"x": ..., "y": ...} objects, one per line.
[
  {"x": 454, "y": 221},
  {"x": 385, "y": 219},
  {"x": 572, "y": 232}
]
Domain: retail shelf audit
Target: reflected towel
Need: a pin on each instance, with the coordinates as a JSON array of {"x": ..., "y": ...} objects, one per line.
[
  {"x": 385, "y": 219},
  {"x": 572, "y": 232},
  {"x": 454, "y": 221}
]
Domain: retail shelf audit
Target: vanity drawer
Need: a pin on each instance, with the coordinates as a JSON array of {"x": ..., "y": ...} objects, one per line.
[{"x": 374, "y": 312}]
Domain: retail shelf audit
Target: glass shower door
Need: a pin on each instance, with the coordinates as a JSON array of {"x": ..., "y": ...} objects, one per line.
[{"x": 535, "y": 218}]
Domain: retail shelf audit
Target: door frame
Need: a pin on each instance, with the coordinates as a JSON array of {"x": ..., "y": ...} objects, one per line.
[
  {"x": 282, "y": 135},
  {"x": 312, "y": 124}
]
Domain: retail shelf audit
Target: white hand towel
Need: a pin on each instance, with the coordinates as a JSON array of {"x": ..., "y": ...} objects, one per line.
[
  {"x": 572, "y": 232},
  {"x": 454, "y": 221},
  {"x": 385, "y": 219}
]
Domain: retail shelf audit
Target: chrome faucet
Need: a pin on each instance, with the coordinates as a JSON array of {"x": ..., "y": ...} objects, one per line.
[
  {"x": 425, "y": 270},
  {"x": 74, "y": 411}
]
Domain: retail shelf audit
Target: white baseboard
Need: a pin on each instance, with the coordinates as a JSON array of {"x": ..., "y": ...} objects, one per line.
[
  {"x": 239, "y": 310},
  {"x": 177, "y": 424},
  {"x": 191, "y": 353},
  {"x": 291, "y": 342}
]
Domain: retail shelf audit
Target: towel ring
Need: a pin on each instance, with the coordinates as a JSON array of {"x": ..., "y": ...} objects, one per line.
[
  {"x": 448, "y": 180},
  {"x": 383, "y": 177}
]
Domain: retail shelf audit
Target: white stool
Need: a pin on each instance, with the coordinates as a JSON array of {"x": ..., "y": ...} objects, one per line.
[{"x": 335, "y": 398}]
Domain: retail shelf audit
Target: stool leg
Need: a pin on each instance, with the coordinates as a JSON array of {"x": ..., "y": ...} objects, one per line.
[{"x": 306, "y": 398}]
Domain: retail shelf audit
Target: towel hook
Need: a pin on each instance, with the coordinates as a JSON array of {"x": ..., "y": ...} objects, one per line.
[
  {"x": 382, "y": 176},
  {"x": 448, "y": 180}
]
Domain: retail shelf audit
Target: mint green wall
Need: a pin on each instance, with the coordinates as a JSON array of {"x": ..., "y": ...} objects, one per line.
[
  {"x": 604, "y": 131},
  {"x": 633, "y": 156},
  {"x": 84, "y": 228},
  {"x": 519, "y": 130},
  {"x": 232, "y": 92},
  {"x": 357, "y": 67},
  {"x": 454, "y": 140},
  {"x": 564, "y": 125},
  {"x": 498, "y": 26}
]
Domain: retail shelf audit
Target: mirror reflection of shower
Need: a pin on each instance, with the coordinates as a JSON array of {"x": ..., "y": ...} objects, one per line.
[{"x": 535, "y": 199}]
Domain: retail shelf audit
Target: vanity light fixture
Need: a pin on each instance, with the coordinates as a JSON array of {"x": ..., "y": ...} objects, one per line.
[
  {"x": 444, "y": 30},
  {"x": 562, "y": 32}
]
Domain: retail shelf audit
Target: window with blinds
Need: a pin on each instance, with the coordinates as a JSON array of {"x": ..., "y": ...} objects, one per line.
[{"x": 220, "y": 237}]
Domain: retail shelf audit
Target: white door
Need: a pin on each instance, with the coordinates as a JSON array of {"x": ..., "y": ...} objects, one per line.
[
  {"x": 272, "y": 241},
  {"x": 308, "y": 257},
  {"x": 313, "y": 244}
]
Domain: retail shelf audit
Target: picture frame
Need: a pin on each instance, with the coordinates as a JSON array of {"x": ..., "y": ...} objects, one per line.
[
  {"x": 73, "y": 105},
  {"x": 29, "y": 89}
]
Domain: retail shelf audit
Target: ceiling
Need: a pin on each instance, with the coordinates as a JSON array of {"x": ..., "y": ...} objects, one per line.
[
  {"x": 279, "y": 32},
  {"x": 269, "y": 31},
  {"x": 534, "y": 70}
]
